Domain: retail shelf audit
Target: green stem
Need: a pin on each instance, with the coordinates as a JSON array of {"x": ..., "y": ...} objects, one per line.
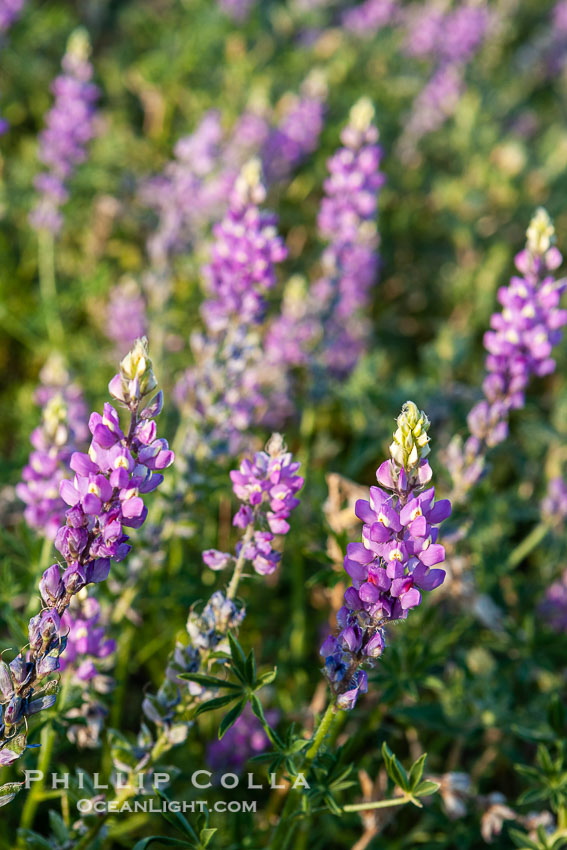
[
  {"x": 241, "y": 560},
  {"x": 380, "y": 804},
  {"x": 527, "y": 545},
  {"x": 37, "y": 792},
  {"x": 286, "y": 826},
  {"x": 322, "y": 731},
  {"x": 48, "y": 288}
]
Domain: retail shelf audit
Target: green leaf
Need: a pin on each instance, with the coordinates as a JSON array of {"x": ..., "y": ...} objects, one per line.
[
  {"x": 394, "y": 768},
  {"x": 163, "y": 839},
  {"x": 205, "y": 836},
  {"x": 218, "y": 702},
  {"x": 58, "y": 827},
  {"x": 33, "y": 841},
  {"x": 425, "y": 788},
  {"x": 266, "y": 678},
  {"x": 176, "y": 819},
  {"x": 237, "y": 654},
  {"x": 556, "y": 715},
  {"x": 416, "y": 771},
  {"x": 251, "y": 669},
  {"x": 544, "y": 758},
  {"x": 231, "y": 718},
  {"x": 521, "y": 840},
  {"x": 208, "y": 681}
]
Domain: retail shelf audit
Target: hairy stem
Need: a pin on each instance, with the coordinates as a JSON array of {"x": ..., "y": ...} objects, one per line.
[
  {"x": 37, "y": 791},
  {"x": 241, "y": 560}
]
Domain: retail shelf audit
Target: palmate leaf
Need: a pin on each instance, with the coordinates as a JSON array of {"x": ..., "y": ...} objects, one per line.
[
  {"x": 237, "y": 654},
  {"x": 231, "y": 718},
  {"x": 208, "y": 681},
  {"x": 176, "y": 819},
  {"x": 394, "y": 768},
  {"x": 217, "y": 702}
]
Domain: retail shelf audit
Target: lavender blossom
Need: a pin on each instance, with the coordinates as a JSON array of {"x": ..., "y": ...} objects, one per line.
[
  {"x": 70, "y": 125},
  {"x": 519, "y": 345},
  {"x": 105, "y": 498},
  {"x": 397, "y": 559},
  {"x": 267, "y": 487},
  {"x": 332, "y": 321},
  {"x": 126, "y": 318},
  {"x": 61, "y": 432}
]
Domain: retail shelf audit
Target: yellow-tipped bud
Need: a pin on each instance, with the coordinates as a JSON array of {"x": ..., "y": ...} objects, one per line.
[
  {"x": 411, "y": 441},
  {"x": 362, "y": 114},
  {"x": 136, "y": 370},
  {"x": 541, "y": 232}
]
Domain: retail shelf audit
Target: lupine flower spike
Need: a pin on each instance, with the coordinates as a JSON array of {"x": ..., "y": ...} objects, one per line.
[
  {"x": 70, "y": 125},
  {"x": 398, "y": 557},
  {"x": 519, "y": 345},
  {"x": 105, "y": 497}
]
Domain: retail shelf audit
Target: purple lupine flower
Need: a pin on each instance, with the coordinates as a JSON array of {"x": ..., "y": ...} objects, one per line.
[
  {"x": 554, "y": 506},
  {"x": 424, "y": 29},
  {"x": 519, "y": 345},
  {"x": 245, "y": 739},
  {"x": 105, "y": 498},
  {"x": 332, "y": 321},
  {"x": 436, "y": 102},
  {"x": 297, "y": 134},
  {"x": 267, "y": 486},
  {"x": 434, "y": 32},
  {"x": 398, "y": 557},
  {"x": 450, "y": 38},
  {"x": 126, "y": 318},
  {"x": 86, "y": 640},
  {"x": 175, "y": 194},
  {"x": 553, "y": 607},
  {"x": 221, "y": 392},
  {"x": 62, "y": 431},
  {"x": 70, "y": 125},
  {"x": 238, "y": 10},
  {"x": 244, "y": 255},
  {"x": 10, "y": 11},
  {"x": 369, "y": 17}
]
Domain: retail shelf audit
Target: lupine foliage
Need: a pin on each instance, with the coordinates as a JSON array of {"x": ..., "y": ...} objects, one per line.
[{"x": 332, "y": 232}]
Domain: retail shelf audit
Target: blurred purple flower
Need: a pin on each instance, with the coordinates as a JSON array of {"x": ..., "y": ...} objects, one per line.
[
  {"x": 70, "y": 125},
  {"x": 62, "y": 431},
  {"x": 86, "y": 640},
  {"x": 245, "y": 739}
]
